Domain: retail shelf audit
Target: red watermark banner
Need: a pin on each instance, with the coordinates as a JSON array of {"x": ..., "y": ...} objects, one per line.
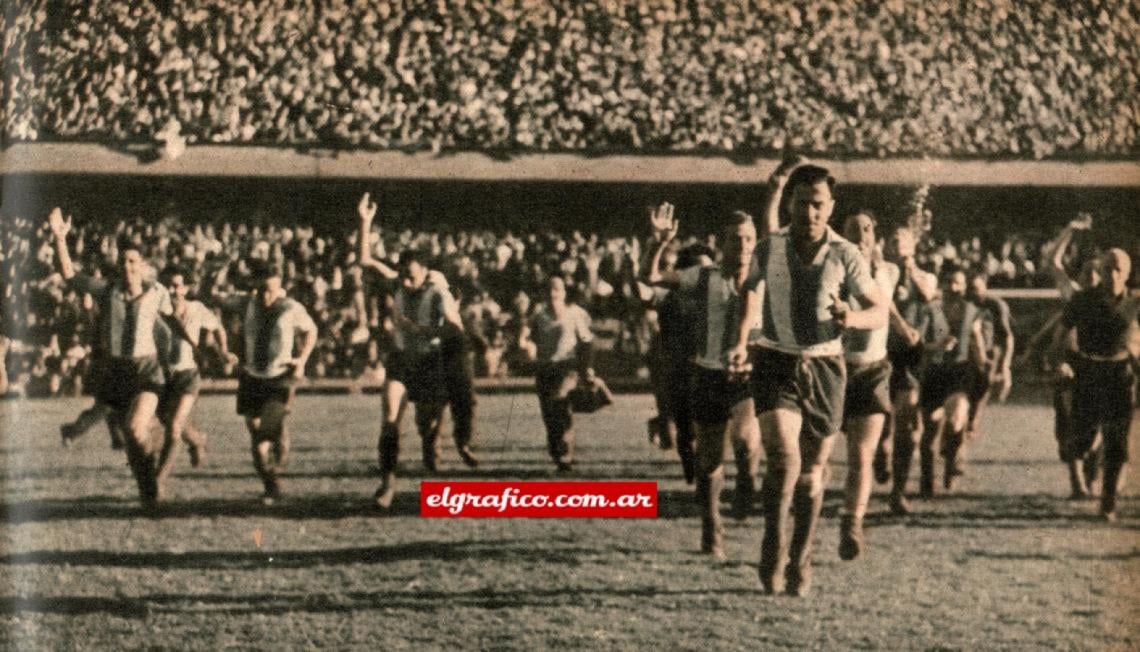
[{"x": 538, "y": 499}]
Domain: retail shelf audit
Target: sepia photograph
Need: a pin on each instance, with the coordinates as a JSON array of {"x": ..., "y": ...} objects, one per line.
[{"x": 569, "y": 324}]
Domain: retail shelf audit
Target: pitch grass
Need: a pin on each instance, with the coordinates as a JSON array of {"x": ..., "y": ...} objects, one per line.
[{"x": 1007, "y": 562}]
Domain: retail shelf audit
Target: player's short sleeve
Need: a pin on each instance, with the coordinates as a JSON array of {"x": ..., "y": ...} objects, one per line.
[
  {"x": 206, "y": 317},
  {"x": 301, "y": 319},
  {"x": 436, "y": 278}
]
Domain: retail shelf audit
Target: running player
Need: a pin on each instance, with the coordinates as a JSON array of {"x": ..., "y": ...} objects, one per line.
[
  {"x": 1104, "y": 320},
  {"x": 421, "y": 313},
  {"x": 913, "y": 319},
  {"x": 562, "y": 344},
  {"x": 955, "y": 380},
  {"x": 183, "y": 380},
  {"x": 805, "y": 274},
  {"x": 997, "y": 336},
  {"x": 868, "y": 401},
  {"x": 133, "y": 378},
  {"x": 279, "y": 337},
  {"x": 720, "y": 405}
]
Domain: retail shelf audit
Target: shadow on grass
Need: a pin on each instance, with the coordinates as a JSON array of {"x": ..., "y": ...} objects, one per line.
[
  {"x": 1004, "y": 512},
  {"x": 1040, "y": 556},
  {"x": 276, "y": 604},
  {"x": 480, "y": 551}
]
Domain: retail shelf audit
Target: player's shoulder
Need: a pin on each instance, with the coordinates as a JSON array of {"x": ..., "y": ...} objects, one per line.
[
  {"x": 843, "y": 248},
  {"x": 289, "y": 304},
  {"x": 437, "y": 280}
]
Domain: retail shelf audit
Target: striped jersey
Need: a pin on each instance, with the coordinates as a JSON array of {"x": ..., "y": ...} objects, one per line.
[
  {"x": 428, "y": 307},
  {"x": 270, "y": 333},
  {"x": 911, "y": 307},
  {"x": 716, "y": 312},
  {"x": 797, "y": 294},
  {"x": 126, "y": 325}
]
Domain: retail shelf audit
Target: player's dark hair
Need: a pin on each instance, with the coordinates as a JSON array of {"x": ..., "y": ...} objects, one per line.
[{"x": 810, "y": 175}]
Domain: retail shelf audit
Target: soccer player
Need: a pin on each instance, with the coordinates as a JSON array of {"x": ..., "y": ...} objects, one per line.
[
  {"x": 669, "y": 360},
  {"x": 805, "y": 275},
  {"x": 955, "y": 380},
  {"x": 421, "y": 313},
  {"x": 913, "y": 318},
  {"x": 186, "y": 323},
  {"x": 719, "y": 404},
  {"x": 997, "y": 336},
  {"x": 562, "y": 344},
  {"x": 279, "y": 337},
  {"x": 1082, "y": 472},
  {"x": 133, "y": 378},
  {"x": 1104, "y": 320},
  {"x": 868, "y": 400}
]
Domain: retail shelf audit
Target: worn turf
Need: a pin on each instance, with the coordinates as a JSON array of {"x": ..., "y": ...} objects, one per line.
[{"x": 1006, "y": 562}]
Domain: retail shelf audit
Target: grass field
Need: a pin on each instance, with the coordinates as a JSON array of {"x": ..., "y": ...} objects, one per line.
[{"x": 1004, "y": 563}]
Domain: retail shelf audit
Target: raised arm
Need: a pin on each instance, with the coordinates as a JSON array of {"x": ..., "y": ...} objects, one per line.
[
  {"x": 59, "y": 230},
  {"x": 776, "y": 184},
  {"x": 664, "y": 230},
  {"x": 925, "y": 283},
  {"x": 366, "y": 211},
  {"x": 1057, "y": 255}
]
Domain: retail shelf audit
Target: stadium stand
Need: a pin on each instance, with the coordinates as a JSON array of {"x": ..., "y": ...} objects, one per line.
[{"x": 1029, "y": 79}]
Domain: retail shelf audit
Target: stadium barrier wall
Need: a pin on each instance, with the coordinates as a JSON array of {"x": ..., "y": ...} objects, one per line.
[{"x": 228, "y": 160}]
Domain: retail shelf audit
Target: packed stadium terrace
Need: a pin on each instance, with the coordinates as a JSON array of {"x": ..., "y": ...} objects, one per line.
[
  {"x": 47, "y": 327},
  {"x": 1027, "y": 79}
]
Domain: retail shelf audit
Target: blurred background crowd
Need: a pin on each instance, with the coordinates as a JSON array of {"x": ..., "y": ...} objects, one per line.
[{"x": 1027, "y": 79}]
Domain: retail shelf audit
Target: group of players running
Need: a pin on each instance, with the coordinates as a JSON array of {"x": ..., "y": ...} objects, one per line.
[{"x": 794, "y": 335}]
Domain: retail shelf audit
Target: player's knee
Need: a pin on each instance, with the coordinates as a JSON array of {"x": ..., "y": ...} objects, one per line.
[
  {"x": 810, "y": 482},
  {"x": 958, "y": 412}
]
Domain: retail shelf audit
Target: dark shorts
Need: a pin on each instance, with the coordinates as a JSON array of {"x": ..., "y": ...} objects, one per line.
[
  {"x": 868, "y": 389},
  {"x": 942, "y": 380},
  {"x": 93, "y": 375},
  {"x": 712, "y": 395},
  {"x": 123, "y": 379},
  {"x": 905, "y": 369},
  {"x": 812, "y": 386},
  {"x": 1104, "y": 398},
  {"x": 254, "y": 394},
  {"x": 422, "y": 375},
  {"x": 550, "y": 381},
  {"x": 184, "y": 382}
]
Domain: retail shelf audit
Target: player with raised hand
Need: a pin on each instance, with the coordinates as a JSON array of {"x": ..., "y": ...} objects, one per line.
[
  {"x": 133, "y": 379},
  {"x": 720, "y": 404}
]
